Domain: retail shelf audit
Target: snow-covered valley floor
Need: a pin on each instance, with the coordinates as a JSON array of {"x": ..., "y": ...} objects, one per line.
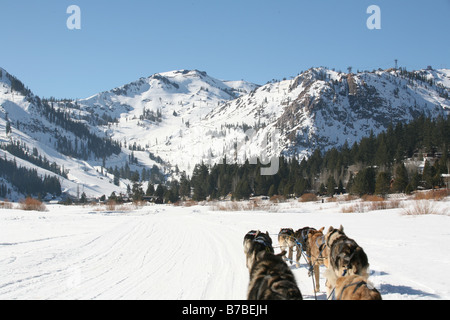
[{"x": 195, "y": 253}]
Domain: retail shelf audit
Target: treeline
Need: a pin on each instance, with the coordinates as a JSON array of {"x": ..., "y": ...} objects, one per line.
[
  {"x": 376, "y": 164},
  {"x": 85, "y": 144},
  {"x": 4, "y": 191},
  {"x": 27, "y": 181},
  {"x": 17, "y": 85},
  {"x": 153, "y": 174},
  {"x": 22, "y": 151}
]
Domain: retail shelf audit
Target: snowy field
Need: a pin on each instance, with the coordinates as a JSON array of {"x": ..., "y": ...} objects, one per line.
[{"x": 195, "y": 253}]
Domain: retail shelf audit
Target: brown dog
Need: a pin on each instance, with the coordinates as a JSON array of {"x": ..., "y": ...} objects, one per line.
[
  {"x": 317, "y": 253},
  {"x": 355, "y": 288}
]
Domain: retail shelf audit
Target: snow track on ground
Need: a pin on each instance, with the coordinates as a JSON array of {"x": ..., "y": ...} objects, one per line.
[
  {"x": 193, "y": 253},
  {"x": 148, "y": 256}
]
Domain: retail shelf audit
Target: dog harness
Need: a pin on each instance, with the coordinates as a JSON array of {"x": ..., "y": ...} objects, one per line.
[
  {"x": 261, "y": 240},
  {"x": 305, "y": 232},
  {"x": 356, "y": 284},
  {"x": 287, "y": 231}
]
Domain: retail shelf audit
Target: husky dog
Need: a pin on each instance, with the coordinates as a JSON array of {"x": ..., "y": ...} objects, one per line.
[
  {"x": 272, "y": 279},
  {"x": 355, "y": 288},
  {"x": 301, "y": 236},
  {"x": 260, "y": 242},
  {"x": 345, "y": 257},
  {"x": 317, "y": 253},
  {"x": 286, "y": 240}
]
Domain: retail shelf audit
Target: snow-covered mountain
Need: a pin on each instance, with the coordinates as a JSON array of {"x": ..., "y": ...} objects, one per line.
[
  {"x": 172, "y": 121},
  {"x": 322, "y": 108},
  {"x": 114, "y": 129},
  {"x": 186, "y": 117},
  {"x": 163, "y": 116}
]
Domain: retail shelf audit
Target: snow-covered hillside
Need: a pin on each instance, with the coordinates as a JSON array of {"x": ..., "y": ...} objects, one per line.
[
  {"x": 174, "y": 120},
  {"x": 196, "y": 253},
  {"x": 38, "y": 136}
]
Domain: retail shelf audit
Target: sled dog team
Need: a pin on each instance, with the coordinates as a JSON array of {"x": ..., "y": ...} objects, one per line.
[{"x": 272, "y": 279}]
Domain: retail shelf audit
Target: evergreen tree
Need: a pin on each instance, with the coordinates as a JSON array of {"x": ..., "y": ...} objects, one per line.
[
  {"x": 83, "y": 198},
  {"x": 322, "y": 189},
  {"x": 415, "y": 180},
  {"x": 198, "y": 182},
  {"x": 382, "y": 184},
  {"x": 170, "y": 196},
  {"x": 113, "y": 197},
  {"x": 331, "y": 185},
  {"x": 137, "y": 191},
  {"x": 301, "y": 186},
  {"x": 8, "y": 127},
  {"x": 400, "y": 178},
  {"x": 428, "y": 175},
  {"x": 437, "y": 178},
  {"x": 242, "y": 191},
  {"x": 160, "y": 191},
  {"x": 150, "y": 189},
  {"x": 340, "y": 187},
  {"x": 271, "y": 191},
  {"x": 185, "y": 186},
  {"x": 364, "y": 182},
  {"x": 116, "y": 180},
  {"x": 382, "y": 156}
]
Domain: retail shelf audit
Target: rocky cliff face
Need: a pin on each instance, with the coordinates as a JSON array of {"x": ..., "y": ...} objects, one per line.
[{"x": 332, "y": 107}]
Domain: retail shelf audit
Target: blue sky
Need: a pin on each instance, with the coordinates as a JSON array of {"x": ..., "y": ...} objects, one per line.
[{"x": 121, "y": 41}]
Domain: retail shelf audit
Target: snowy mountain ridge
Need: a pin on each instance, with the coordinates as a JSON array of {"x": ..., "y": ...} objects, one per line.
[
  {"x": 174, "y": 120},
  {"x": 320, "y": 108}
]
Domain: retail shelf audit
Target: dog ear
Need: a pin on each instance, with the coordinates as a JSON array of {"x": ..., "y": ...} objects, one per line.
[
  {"x": 341, "y": 229},
  {"x": 321, "y": 229},
  {"x": 330, "y": 229}
]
